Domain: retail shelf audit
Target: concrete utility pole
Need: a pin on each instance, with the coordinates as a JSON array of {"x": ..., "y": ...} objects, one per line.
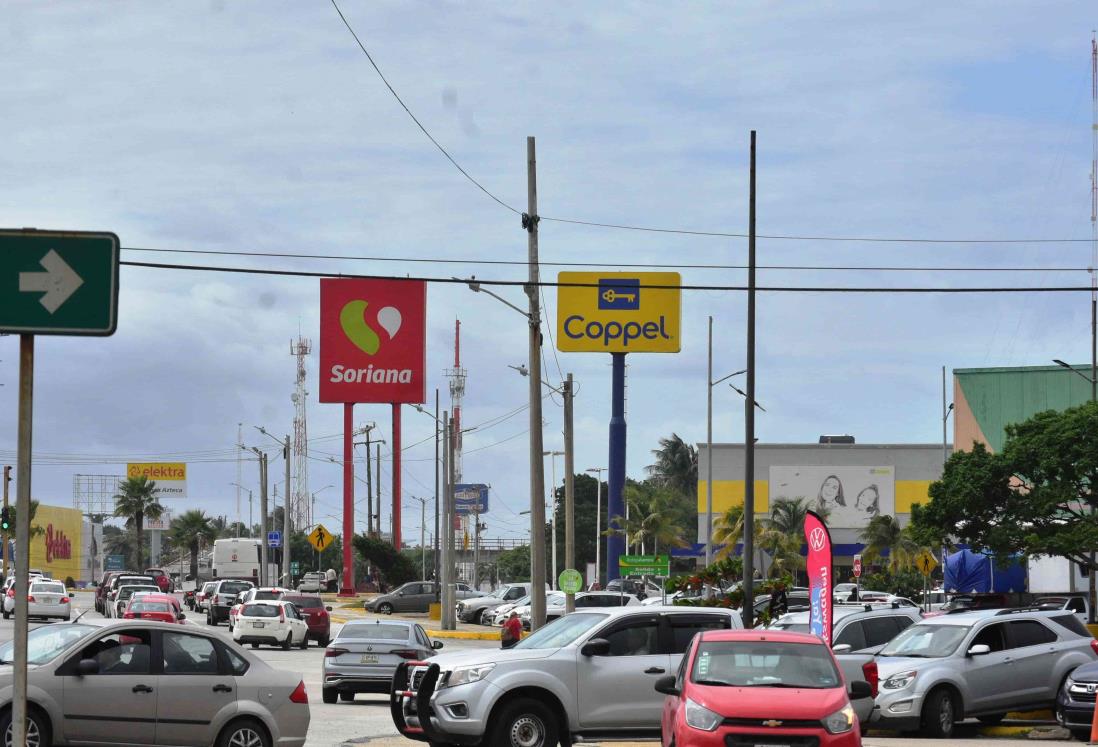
[
  {"x": 447, "y": 574},
  {"x": 569, "y": 490},
  {"x": 262, "y": 515},
  {"x": 7, "y": 545},
  {"x": 749, "y": 414},
  {"x": 553, "y": 507},
  {"x": 537, "y": 466},
  {"x": 22, "y": 536}
]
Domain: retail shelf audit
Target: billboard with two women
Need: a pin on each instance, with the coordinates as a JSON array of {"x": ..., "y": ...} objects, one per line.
[{"x": 847, "y": 497}]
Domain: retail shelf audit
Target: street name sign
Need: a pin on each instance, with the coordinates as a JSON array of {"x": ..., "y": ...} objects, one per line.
[
  {"x": 58, "y": 282},
  {"x": 644, "y": 565}
]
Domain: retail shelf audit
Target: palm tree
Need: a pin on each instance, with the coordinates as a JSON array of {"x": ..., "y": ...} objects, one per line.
[
  {"x": 190, "y": 530},
  {"x": 728, "y": 531},
  {"x": 882, "y": 533},
  {"x": 136, "y": 499},
  {"x": 676, "y": 466},
  {"x": 35, "y": 531},
  {"x": 782, "y": 534},
  {"x": 657, "y": 524}
]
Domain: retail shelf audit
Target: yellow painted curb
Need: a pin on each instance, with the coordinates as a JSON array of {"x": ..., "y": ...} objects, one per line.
[
  {"x": 1005, "y": 731},
  {"x": 465, "y": 635},
  {"x": 1044, "y": 715}
]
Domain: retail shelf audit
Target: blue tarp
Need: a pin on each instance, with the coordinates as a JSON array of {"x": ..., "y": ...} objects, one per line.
[{"x": 973, "y": 573}]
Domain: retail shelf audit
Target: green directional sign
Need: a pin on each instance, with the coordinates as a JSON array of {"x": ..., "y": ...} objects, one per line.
[
  {"x": 644, "y": 565},
  {"x": 58, "y": 282}
]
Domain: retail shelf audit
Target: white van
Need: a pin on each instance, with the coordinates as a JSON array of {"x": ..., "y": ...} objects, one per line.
[{"x": 238, "y": 557}]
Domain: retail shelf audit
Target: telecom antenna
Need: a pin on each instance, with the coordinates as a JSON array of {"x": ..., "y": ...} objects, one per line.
[
  {"x": 457, "y": 376},
  {"x": 299, "y": 499}
]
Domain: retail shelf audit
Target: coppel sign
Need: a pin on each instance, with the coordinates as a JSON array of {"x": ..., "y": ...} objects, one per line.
[{"x": 619, "y": 312}]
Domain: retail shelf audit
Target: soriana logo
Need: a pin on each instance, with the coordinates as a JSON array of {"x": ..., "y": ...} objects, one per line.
[{"x": 373, "y": 340}]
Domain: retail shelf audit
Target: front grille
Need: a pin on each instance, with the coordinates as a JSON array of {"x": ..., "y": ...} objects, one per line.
[
  {"x": 417, "y": 678},
  {"x": 760, "y": 740},
  {"x": 1082, "y": 693},
  {"x": 783, "y": 723}
]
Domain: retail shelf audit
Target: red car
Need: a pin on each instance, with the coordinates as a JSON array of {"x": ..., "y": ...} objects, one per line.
[
  {"x": 161, "y": 607},
  {"x": 163, "y": 580},
  {"x": 746, "y": 687},
  {"x": 316, "y": 615}
]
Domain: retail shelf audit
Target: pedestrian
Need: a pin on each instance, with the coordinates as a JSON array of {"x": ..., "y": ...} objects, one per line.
[
  {"x": 330, "y": 577},
  {"x": 512, "y": 631}
]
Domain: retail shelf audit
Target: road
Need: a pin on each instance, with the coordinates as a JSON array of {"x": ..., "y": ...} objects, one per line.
[{"x": 365, "y": 719}]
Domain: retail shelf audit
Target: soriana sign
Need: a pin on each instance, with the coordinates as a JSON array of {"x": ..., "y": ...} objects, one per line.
[{"x": 373, "y": 340}]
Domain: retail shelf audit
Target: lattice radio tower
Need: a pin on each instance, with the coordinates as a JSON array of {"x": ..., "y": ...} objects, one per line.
[
  {"x": 300, "y": 500},
  {"x": 457, "y": 376}
]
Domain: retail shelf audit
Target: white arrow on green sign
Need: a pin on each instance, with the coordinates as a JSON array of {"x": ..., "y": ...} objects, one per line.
[
  {"x": 644, "y": 565},
  {"x": 58, "y": 282}
]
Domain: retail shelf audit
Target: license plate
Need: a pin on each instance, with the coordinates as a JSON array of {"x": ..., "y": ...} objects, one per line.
[
  {"x": 369, "y": 658},
  {"x": 49, "y": 600},
  {"x": 259, "y": 625}
]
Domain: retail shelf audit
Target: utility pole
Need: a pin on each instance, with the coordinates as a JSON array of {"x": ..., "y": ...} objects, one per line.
[
  {"x": 448, "y": 541},
  {"x": 369, "y": 488},
  {"x": 437, "y": 559},
  {"x": 262, "y": 515},
  {"x": 22, "y": 537},
  {"x": 537, "y": 466},
  {"x": 569, "y": 491},
  {"x": 7, "y": 544},
  {"x": 709, "y": 455},
  {"x": 553, "y": 506},
  {"x": 377, "y": 485},
  {"x": 749, "y": 414},
  {"x": 1092, "y": 586},
  {"x": 476, "y": 547},
  {"x": 287, "y": 525},
  {"x": 598, "y": 522}
]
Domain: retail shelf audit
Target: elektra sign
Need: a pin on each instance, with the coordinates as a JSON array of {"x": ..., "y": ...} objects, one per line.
[
  {"x": 618, "y": 312},
  {"x": 373, "y": 340}
]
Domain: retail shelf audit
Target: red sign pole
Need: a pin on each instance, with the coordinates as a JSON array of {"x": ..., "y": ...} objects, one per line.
[
  {"x": 396, "y": 476},
  {"x": 347, "y": 589}
]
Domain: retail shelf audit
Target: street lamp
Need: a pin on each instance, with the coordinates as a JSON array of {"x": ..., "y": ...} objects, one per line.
[
  {"x": 598, "y": 518},
  {"x": 945, "y": 438},
  {"x": 709, "y": 448}
]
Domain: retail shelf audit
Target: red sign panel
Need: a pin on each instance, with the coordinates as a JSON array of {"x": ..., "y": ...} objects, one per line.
[
  {"x": 857, "y": 566},
  {"x": 373, "y": 340},
  {"x": 820, "y": 582}
]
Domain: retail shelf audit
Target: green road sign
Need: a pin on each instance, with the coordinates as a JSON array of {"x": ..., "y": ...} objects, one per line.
[
  {"x": 58, "y": 282},
  {"x": 570, "y": 581},
  {"x": 294, "y": 567},
  {"x": 644, "y": 565}
]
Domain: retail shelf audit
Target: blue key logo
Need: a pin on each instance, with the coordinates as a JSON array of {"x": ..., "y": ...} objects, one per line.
[{"x": 619, "y": 294}]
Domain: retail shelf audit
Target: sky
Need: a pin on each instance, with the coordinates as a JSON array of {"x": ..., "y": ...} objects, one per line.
[{"x": 261, "y": 127}]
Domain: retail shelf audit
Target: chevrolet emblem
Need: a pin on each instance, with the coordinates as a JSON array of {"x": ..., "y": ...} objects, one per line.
[
  {"x": 1091, "y": 689},
  {"x": 772, "y": 722}
]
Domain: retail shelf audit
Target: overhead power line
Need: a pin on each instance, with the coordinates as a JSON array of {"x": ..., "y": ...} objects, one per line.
[
  {"x": 546, "y": 284},
  {"x": 654, "y": 229}
]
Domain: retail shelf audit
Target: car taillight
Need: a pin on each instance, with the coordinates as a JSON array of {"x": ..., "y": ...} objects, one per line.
[
  {"x": 30, "y": 598},
  {"x": 11, "y": 593},
  {"x": 331, "y": 653},
  {"x": 127, "y": 616},
  {"x": 299, "y": 695},
  {"x": 282, "y": 614},
  {"x": 869, "y": 671},
  {"x": 405, "y": 653},
  {"x": 64, "y": 600},
  {"x": 1094, "y": 646}
]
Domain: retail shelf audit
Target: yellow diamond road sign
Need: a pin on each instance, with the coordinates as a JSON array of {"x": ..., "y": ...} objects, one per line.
[
  {"x": 619, "y": 312},
  {"x": 926, "y": 562},
  {"x": 320, "y": 538}
]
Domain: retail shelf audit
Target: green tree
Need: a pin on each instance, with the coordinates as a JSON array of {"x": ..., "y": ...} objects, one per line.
[
  {"x": 137, "y": 499},
  {"x": 782, "y": 534},
  {"x": 35, "y": 530},
  {"x": 190, "y": 530},
  {"x": 676, "y": 466},
  {"x": 883, "y": 533},
  {"x": 118, "y": 541},
  {"x": 514, "y": 564},
  {"x": 395, "y": 568},
  {"x": 728, "y": 531}
]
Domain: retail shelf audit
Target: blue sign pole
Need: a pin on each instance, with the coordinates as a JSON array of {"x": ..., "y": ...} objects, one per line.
[{"x": 615, "y": 499}]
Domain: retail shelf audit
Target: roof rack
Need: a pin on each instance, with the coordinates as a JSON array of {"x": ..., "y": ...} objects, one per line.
[{"x": 1032, "y": 608}]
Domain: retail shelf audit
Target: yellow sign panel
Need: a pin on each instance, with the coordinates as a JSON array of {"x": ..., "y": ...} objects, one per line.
[
  {"x": 619, "y": 312},
  {"x": 170, "y": 477},
  {"x": 320, "y": 538},
  {"x": 925, "y": 562},
  {"x": 56, "y": 544}
]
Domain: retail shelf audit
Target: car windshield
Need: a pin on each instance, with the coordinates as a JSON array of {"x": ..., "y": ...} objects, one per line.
[
  {"x": 261, "y": 610},
  {"x": 43, "y": 644},
  {"x": 149, "y": 607},
  {"x": 561, "y": 632},
  {"x": 128, "y": 591},
  {"x": 926, "y": 641},
  {"x": 268, "y": 595},
  {"x": 764, "y": 664},
  {"x": 47, "y": 589},
  {"x": 306, "y": 603},
  {"x": 209, "y": 587},
  {"x": 375, "y": 631},
  {"x": 554, "y": 599},
  {"x": 521, "y": 602},
  {"x": 234, "y": 587}
]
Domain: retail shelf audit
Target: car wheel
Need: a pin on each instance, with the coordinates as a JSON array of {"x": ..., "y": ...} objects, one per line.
[
  {"x": 1081, "y": 734},
  {"x": 525, "y": 723},
  {"x": 323, "y": 642},
  {"x": 385, "y": 608},
  {"x": 209, "y": 619},
  {"x": 993, "y": 719},
  {"x": 38, "y": 729},
  {"x": 288, "y": 642},
  {"x": 939, "y": 715},
  {"x": 484, "y": 618},
  {"x": 7, "y": 615},
  {"x": 347, "y": 697},
  {"x": 330, "y": 696},
  {"x": 244, "y": 733},
  {"x": 304, "y": 642}
]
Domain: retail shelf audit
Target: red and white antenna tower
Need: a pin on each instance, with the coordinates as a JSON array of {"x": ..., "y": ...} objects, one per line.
[{"x": 457, "y": 376}]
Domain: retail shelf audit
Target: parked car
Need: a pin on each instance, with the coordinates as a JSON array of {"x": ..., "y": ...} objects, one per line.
[
  {"x": 585, "y": 600},
  {"x": 160, "y": 607},
  {"x": 162, "y": 578},
  {"x": 260, "y": 594},
  {"x": 1072, "y": 603},
  {"x": 312, "y": 608},
  {"x": 981, "y": 663},
  {"x": 479, "y": 609},
  {"x": 1075, "y": 701},
  {"x": 589, "y": 674},
  {"x": 857, "y": 627},
  {"x": 92, "y": 683},
  {"x": 364, "y": 656},
  {"x": 552, "y": 599},
  {"x": 274, "y": 623},
  {"x": 202, "y": 598},
  {"x": 415, "y": 596},
  {"x": 727, "y": 688},
  {"x": 123, "y": 594},
  {"x": 638, "y": 587},
  {"x": 312, "y": 581},
  {"x": 501, "y": 613},
  {"x": 222, "y": 599}
]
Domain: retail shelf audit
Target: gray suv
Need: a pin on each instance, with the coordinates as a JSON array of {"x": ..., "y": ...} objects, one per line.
[
  {"x": 589, "y": 673},
  {"x": 979, "y": 663},
  {"x": 857, "y": 626}
]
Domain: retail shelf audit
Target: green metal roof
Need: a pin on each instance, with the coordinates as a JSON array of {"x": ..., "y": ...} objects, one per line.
[{"x": 1001, "y": 396}]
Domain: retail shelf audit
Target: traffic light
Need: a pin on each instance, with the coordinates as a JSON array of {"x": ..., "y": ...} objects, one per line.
[{"x": 5, "y": 518}]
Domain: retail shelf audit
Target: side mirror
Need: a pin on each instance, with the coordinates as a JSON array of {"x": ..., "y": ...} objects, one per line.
[
  {"x": 329, "y": 609},
  {"x": 666, "y": 685},
  {"x": 400, "y": 593},
  {"x": 979, "y": 650},
  {"x": 860, "y": 689},
  {"x": 436, "y": 645},
  {"x": 180, "y": 616},
  {"x": 596, "y": 647},
  {"x": 841, "y": 648},
  {"x": 87, "y": 666}
]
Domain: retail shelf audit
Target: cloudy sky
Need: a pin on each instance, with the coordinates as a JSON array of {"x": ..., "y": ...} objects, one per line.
[{"x": 261, "y": 127}]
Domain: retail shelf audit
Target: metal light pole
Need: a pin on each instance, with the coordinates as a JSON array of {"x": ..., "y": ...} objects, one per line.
[
  {"x": 749, "y": 413},
  {"x": 553, "y": 504},
  {"x": 598, "y": 521},
  {"x": 569, "y": 490},
  {"x": 709, "y": 449}
]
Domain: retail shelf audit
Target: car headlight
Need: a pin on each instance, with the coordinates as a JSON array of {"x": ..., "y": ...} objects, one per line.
[
  {"x": 900, "y": 680},
  {"x": 460, "y": 607},
  {"x": 841, "y": 720},
  {"x": 700, "y": 717},
  {"x": 468, "y": 675}
]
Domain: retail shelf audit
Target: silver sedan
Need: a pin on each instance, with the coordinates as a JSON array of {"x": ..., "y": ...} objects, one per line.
[
  {"x": 364, "y": 656},
  {"x": 94, "y": 681}
]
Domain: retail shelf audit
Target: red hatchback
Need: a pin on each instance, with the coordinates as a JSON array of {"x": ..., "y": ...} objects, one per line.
[
  {"x": 163, "y": 580},
  {"x": 316, "y": 615},
  {"x": 748, "y": 687},
  {"x": 161, "y": 607}
]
